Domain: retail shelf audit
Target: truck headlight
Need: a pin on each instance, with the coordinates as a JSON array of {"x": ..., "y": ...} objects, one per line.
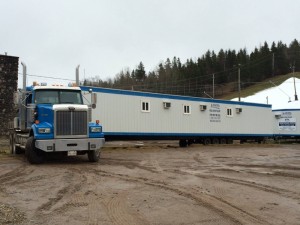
[
  {"x": 96, "y": 129},
  {"x": 44, "y": 130}
]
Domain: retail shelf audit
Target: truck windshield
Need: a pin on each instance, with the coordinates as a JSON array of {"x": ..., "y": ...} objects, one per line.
[{"x": 57, "y": 97}]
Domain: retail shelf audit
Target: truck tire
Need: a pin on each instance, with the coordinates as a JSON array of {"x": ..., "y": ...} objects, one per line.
[
  {"x": 215, "y": 141},
  {"x": 223, "y": 141},
  {"x": 230, "y": 141},
  {"x": 94, "y": 156},
  {"x": 34, "y": 155},
  {"x": 190, "y": 142},
  {"x": 183, "y": 143},
  {"x": 207, "y": 141},
  {"x": 13, "y": 148}
]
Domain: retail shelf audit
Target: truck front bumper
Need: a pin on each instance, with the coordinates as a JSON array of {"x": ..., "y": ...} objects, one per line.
[{"x": 64, "y": 145}]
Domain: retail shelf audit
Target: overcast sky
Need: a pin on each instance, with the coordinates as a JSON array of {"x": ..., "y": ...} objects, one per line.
[{"x": 105, "y": 36}]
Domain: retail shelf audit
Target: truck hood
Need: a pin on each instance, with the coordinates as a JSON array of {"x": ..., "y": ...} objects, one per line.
[{"x": 46, "y": 111}]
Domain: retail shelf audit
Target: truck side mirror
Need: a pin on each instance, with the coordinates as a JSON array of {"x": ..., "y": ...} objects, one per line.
[{"x": 93, "y": 100}]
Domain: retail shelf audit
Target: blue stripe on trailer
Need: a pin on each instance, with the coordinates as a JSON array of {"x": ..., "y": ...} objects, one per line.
[
  {"x": 287, "y": 135},
  {"x": 278, "y": 110},
  {"x": 141, "y": 134}
]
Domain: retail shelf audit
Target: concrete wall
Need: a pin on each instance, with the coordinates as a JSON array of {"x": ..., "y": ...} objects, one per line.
[{"x": 8, "y": 85}]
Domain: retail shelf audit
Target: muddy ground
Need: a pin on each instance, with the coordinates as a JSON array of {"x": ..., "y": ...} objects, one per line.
[{"x": 156, "y": 183}]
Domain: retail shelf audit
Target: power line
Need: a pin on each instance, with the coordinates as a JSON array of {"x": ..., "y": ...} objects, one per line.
[{"x": 41, "y": 76}]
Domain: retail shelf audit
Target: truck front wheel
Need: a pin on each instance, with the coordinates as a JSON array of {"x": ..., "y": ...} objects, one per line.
[
  {"x": 34, "y": 155},
  {"x": 94, "y": 156}
]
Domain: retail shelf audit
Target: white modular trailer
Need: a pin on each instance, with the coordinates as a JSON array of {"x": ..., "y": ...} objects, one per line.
[
  {"x": 285, "y": 123},
  {"x": 142, "y": 115}
]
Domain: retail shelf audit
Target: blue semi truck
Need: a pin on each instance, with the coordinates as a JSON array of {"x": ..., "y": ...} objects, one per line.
[{"x": 54, "y": 119}]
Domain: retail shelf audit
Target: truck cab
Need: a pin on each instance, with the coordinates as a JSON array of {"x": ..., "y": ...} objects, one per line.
[{"x": 55, "y": 119}]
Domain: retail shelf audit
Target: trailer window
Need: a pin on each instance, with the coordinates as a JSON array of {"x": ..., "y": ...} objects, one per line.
[
  {"x": 145, "y": 106},
  {"x": 186, "y": 109},
  {"x": 229, "y": 112}
]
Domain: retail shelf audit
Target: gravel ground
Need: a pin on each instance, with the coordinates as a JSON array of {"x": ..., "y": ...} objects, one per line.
[{"x": 156, "y": 183}]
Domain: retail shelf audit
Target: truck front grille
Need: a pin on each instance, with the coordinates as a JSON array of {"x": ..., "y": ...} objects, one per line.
[{"x": 71, "y": 123}]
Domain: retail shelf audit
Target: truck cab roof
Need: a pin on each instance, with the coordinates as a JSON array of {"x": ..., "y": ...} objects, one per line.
[{"x": 33, "y": 88}]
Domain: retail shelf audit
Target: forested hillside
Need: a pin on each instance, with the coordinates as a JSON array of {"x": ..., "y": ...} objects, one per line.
[{"x": 197, "y": 77}]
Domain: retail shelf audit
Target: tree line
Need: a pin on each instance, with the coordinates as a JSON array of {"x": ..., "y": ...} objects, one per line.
[{"x": 212, "y": 74}]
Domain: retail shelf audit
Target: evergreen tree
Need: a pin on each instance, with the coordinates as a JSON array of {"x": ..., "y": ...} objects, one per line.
[
  {"x": 282, "y": 59},
  {"x": 140, "y": 73},
  {"x": 294, "y": 55},
  {"x": 194, "y": 76},
  {"x": 266, "y": 61}
]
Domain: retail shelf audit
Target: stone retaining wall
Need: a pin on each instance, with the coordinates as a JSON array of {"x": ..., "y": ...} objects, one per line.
[{"x": 8, "y": 85}]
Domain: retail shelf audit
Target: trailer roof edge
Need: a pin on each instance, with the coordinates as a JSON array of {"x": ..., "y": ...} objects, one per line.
[{"x": 169, "y": 96}]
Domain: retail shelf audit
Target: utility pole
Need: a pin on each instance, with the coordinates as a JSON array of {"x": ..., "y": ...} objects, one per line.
[
  {"x": 23, "y": 108},
  {"x": 273, "y": 64},
  {"x": 213, "y": 85},
  {"x": 77, "y": 75},
  {"x": 239, "y": 82},
  {"x": 293, "y": 68}
]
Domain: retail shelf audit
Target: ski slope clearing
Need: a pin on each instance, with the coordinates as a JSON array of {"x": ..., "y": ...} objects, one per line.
[{"x": 280, "y": 97}]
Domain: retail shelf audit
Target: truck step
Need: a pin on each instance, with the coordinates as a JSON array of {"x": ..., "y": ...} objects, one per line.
[
  {"x": 23, "y": 135},
  {"x": 20, "y": 146}
]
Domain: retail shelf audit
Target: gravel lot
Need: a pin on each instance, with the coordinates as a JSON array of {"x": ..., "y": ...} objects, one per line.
[{"x": 156, "y": 183}]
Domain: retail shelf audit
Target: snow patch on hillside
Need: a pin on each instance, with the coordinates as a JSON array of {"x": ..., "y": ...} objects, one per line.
[{"x": 280, "y": 97}]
